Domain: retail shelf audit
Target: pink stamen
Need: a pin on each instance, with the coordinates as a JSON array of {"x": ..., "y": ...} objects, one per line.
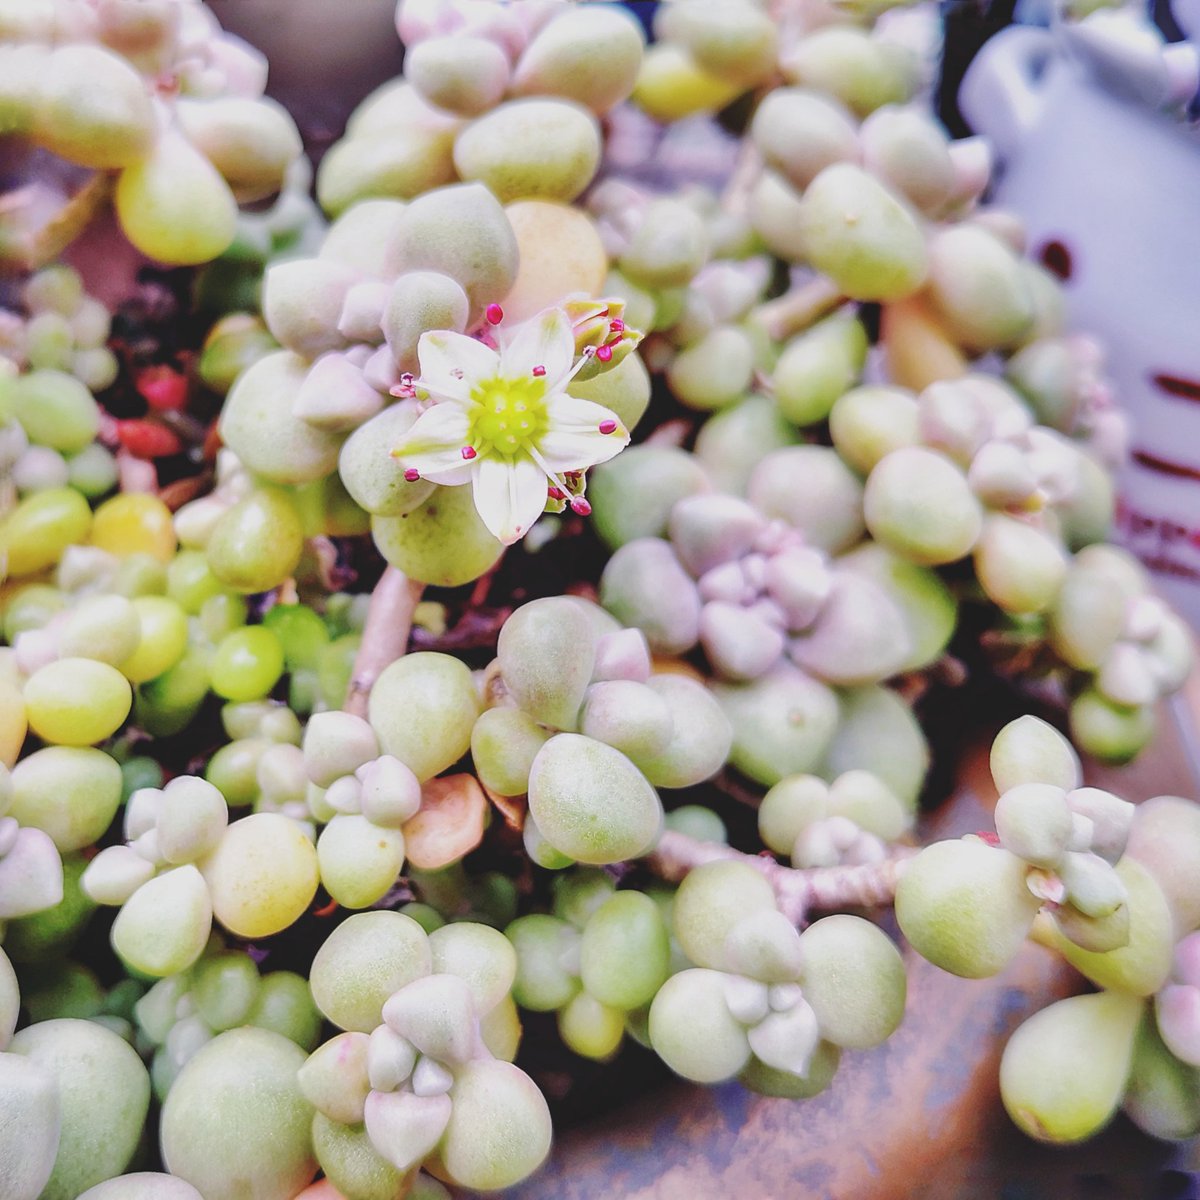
[
  {"x": 468, "y": 452},
  {"x": 494, "y": 314},
  {"x": 406, "y": 388},
  {"x": 539, "y": 371},
  {"x": 604, "y": 353},
  {"x": 617, "y": 326},
  {"x": 608, "y": 427},
  {"x": 412, "y": 475},
  {"x": 580, "y": 506},
  {"x": 556, "y": 493}
]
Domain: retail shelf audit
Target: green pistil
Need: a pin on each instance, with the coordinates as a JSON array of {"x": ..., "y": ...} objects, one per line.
[{"x": 509, "y": 417}]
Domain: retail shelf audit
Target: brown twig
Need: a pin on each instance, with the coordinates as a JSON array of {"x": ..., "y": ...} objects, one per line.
[
  {"x": 385, "y": 635},
  {"x": 798, "y": 308},
  {"x": 797, "y": 892}
]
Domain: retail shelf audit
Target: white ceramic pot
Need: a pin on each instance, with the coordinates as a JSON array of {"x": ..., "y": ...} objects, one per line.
[{"x": 1107, "y": 185}]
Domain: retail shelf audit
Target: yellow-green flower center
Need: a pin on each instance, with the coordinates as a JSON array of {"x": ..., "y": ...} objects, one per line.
[{"x": 508, "y": 417}]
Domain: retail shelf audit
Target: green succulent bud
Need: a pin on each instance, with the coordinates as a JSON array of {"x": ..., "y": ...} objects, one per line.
[
  {"x": 797, "y": 483},
  {"x": 669, "y": 246},
  {"x": 643, "y": 585},
  {"x": 354, "y": 239},
  {"x": 273, "y": 1151},
  {"x": 443, "y": 541},
  {"x": 1141, "y": 966},
  {"x": 800, "y": 133},
  {"x": 587, "y": 54},
  {"x": 731, "y": 442},
  {"x": 591, "y": 802},
  {"x": 252, "y": 142},
  {"x": 1114, "y": 733},
  {"x": 174, "y": 206},
  {"x": 734, "y": 41},
  {"x": 531, "y": 148},
  {"x": 783, "y": 723},
  {"x": 96, "y": 1141},
  {"x": 462, "y": 75},
  {"x": 863, "y": 72},
  {"x": 777, "y": 214},
  {"x": 422, "y": 708},
  {"x": 460, "y": 231},
  {"x": 397, "y": 163},
  {"x": 1034, "y": 823},
  {"x": 93, "y": 109},
  {"x": 919, "y": 504},
  {"x": 421, "y": 300},
  {"x": 977, "y": 288},
  {"x": 546, "y": 651},
  {"x": 633, "y": 494},
  {"x": 1019, "y": 566},
  {"x": 1064, "y": 1071},
  {"x": 715, "y": 371},
  {"x": 910, "y": 153},
  {"x": 817, "y": 367},
  {"x": 965, "y": 906},
  {"x": 672, "y": 85},
  {"x": 856, "y": 232}
]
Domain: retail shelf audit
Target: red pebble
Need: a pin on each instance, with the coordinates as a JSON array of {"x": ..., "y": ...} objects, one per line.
[
  {"x": 604, "y": 353},
  {"x": 412, "y": 474},
  {"x": 494, "y": 314},
  {"x": 148, "y": 439},
  {"x": 468, "y": 452},
  {"x": 608, "y": 427},
  {"x": 163, "y": 388},
  {"x": 580, "y": 506}
]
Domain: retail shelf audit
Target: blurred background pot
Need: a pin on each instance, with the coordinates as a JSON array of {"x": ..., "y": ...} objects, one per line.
[{"x": 1105, "y": 179}]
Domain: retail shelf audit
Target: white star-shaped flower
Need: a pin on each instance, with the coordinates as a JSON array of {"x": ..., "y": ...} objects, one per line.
[{"x": 505, "y": 423}]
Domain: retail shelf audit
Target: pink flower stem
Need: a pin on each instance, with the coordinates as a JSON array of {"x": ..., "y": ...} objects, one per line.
[{"x": 385, "y": 635}]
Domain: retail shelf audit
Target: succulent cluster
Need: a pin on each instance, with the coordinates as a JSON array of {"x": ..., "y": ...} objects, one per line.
[
  {"x": 589, "y": 731},
  {"x": 222, "y": 990},
  {"x": 765, "y": 1003},
  {"x": 1102, "y": 882},
  {"x": 159, "y": 95},
  {"x": 880, "y": 464},
  {"x": 596, "y": 960},
  {"x": 423, "y": 1071},
  {"x": 184, "y": 863}
]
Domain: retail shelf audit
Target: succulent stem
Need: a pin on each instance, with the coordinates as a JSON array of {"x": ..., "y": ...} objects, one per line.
[
  {"x": 797, "y": 891},
  {"x": 385, "y": 635},
  {"x": 798, "y": 308}
]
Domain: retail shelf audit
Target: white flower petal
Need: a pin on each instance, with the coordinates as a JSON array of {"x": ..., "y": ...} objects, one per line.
[
  {"x": 510, "y": 496},
  {"x": 450, "y": 476},
  {"x": 435, "y": 443},
  {"x": 543, "y": 341},
  {"x": 573, "y": 415},
  {"x": 452, "y": 364},
  {"x": 574, "y": 440}
]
